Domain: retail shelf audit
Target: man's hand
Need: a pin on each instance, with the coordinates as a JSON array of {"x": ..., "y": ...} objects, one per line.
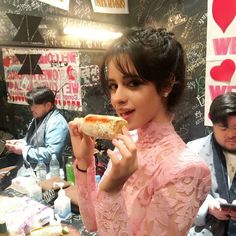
[
  {"x": 215, "y": 209},
  {"x": 15, "y": 148},
  {"x": 13, "y": 142},
  {"x": 232, "y": 212}
]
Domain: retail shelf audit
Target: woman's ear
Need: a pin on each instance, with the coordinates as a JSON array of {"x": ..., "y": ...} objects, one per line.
[{"x": 167, "y": 90}]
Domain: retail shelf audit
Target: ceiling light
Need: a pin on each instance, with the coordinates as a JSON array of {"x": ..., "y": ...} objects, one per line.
[{"x": 91, "y": 33}]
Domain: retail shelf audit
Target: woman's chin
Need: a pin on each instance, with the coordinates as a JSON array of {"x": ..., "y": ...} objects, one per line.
[{"x": 131, "y": 126}]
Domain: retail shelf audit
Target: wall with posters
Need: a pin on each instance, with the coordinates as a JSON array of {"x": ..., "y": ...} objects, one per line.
[
  {"x": 188, "y": 20},
  {"x": 31, "y": 32},
  {"x": 15, "y": 116}
]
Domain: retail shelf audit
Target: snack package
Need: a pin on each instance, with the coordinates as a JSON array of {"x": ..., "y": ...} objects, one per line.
[{"x": 22, "y": 214}]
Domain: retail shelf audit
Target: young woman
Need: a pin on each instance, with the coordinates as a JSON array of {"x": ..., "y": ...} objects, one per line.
[{"x": 155, "y": 185}]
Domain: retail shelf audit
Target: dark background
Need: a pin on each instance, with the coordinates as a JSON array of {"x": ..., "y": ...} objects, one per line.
[{"x": 186, "y": 18}]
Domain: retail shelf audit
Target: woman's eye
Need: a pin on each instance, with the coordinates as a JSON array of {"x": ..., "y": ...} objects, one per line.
[
  {"x": 134, "y": 83},
  {"x": 112, "y": 87}
]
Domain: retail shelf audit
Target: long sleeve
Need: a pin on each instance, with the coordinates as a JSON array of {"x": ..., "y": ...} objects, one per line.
[
  {"x": 86, "y": 187},
  {"x": 91, "y": 202}
]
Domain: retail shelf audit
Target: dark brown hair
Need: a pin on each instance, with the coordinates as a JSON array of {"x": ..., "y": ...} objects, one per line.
[
  {"x": 157, "y": 57},
  {"x": 40, "y": 95},
  {"x": 222, "y": 107}
]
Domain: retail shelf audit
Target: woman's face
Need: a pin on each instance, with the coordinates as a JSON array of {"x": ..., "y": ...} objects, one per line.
[{"x": 133, "y": 99}]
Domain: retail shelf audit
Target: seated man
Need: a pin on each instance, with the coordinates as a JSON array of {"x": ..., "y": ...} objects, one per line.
[
  {"x": 48, "y": 132},
  {"x": 218, "y": 149}
]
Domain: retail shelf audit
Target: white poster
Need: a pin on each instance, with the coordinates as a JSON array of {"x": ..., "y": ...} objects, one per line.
[
  {"x": 58, "y": 69},
  {"x": 63, "y": 4},
  {"x": 110, "y": 6},
  {"x": 221, "y": 51}
]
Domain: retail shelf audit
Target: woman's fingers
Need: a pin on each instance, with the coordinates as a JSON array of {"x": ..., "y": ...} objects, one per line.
[
  {"x": 113, "y": 156},
  {"x": 125, "y": 131},
  {"x": 125, "y": 145},
  {"x": 125, "y": 161},
  {"x": 74, "y": 127}
]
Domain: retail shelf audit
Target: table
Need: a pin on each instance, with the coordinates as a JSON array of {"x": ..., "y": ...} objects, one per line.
[{"x": 74, "y": 223}]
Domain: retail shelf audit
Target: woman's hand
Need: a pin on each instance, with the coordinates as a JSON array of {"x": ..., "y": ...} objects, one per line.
[
  {"x": 123, "y": 165},
  {"x": 83, "y": 145}
]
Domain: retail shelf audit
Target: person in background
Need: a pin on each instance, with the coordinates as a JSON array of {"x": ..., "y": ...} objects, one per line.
[
  {"x": 48, "y": 132},
  {"x": 154, "y": 185},
  {"x": 218, "y": 149}
]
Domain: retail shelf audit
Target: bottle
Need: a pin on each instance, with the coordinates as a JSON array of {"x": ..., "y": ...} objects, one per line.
[
  {"x": 54, "y": 166},
  {"x": 62, "y": 205},
  {"x": 98, "y": 178},
  {"x": 41, "y": 170},
  {"x": 3, "y": 229},
  {"x": 70, "y": 177}
]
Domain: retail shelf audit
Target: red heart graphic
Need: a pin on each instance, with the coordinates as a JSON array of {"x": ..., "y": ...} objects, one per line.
[
  {"x": 224, "y": 72},
  {"x": 223, "y": 12}
]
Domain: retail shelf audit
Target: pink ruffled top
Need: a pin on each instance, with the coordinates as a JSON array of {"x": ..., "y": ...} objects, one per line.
[{"x": 161, "y": 198}]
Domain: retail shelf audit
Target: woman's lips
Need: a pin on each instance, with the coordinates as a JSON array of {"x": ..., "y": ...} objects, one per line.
[{"x": 127, "y": 115}]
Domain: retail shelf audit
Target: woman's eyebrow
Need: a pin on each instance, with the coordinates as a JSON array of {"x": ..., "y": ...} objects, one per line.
[
  {"x": 131, "y": 76},
  {"x": 110, "y": 80}
]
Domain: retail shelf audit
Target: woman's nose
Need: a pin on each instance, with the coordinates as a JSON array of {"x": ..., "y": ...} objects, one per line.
[{"x": 119, "y": 96}]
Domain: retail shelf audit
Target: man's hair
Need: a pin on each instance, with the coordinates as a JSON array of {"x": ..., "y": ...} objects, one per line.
[
  {"x": 222, "y": 107},
  {"x": 40, "y": 95}
]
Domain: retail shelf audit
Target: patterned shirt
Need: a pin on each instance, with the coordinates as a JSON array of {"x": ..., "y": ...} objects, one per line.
[
  {"x": 161, "y": 198},
  {"x": 231, "y": 166}
]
